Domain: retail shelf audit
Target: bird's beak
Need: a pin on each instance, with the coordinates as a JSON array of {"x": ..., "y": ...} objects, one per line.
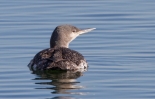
[{"x": 85, "y": 30}]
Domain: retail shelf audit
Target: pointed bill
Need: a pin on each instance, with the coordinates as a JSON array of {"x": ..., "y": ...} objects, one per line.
[{"x": 85, "y": 30}]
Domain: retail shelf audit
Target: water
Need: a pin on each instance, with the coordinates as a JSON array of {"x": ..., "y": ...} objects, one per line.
[{"x": 120, "y": 52}]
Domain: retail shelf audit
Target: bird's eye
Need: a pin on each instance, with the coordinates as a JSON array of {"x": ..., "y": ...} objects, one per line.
[{"x": 74, "y": 31}]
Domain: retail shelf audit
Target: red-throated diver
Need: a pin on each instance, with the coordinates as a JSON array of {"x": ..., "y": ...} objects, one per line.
[{"x": 59, "y": 56}]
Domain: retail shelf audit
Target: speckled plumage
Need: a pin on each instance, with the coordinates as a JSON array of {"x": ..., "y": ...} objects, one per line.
[{"x": 59, "y": 56}]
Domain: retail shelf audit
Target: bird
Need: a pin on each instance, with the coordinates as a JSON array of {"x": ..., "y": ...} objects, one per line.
[{"x": 59, "y": 56}]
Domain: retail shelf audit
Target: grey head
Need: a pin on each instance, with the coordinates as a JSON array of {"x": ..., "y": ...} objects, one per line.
[{"x": 64, "y": 34}]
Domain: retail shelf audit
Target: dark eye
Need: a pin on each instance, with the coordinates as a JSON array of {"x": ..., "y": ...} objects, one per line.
[{"x": 74, "y": 31}]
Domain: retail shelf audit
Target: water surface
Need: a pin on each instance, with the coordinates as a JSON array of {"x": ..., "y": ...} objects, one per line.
[{"x": 120, "y": 52}]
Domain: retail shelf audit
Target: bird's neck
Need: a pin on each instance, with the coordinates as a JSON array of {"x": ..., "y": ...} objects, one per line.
[{"x": 58, "y": 43}]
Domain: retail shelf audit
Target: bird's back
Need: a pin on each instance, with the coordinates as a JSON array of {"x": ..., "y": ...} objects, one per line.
[{"x": 58, "y": 58}]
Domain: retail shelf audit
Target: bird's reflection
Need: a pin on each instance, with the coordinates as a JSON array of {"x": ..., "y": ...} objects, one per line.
[
  {"x": 62, "y": 97},
  {"x": 61, "y": 81}
]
